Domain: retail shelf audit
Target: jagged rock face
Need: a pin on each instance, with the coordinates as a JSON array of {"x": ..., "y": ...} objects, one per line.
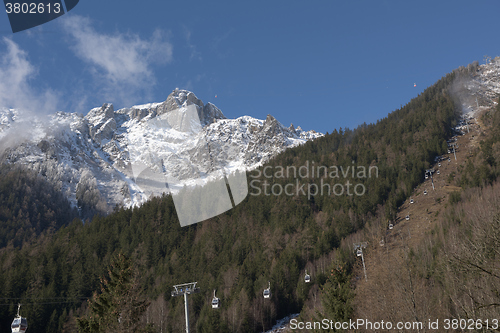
[
  {"x": 102, "y": 123},
  {"x": 210, "y": 113},
  {"x": 180, "y": 98},
  {"x": 90, "y": 158},
  {"x": 273, "y": 128}
]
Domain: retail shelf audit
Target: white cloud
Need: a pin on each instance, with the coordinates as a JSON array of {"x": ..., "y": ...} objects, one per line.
[
  {"x": 124, "y": 60},
  {"x": 15, "y": 91}
]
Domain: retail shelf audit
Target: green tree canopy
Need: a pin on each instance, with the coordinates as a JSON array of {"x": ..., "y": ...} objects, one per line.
[{"x": 119, "y": 306}]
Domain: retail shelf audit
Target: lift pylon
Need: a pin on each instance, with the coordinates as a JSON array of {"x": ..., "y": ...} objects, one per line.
[
  {"x": 358, "y": 248},
  {"x": 185, "y": 289}
]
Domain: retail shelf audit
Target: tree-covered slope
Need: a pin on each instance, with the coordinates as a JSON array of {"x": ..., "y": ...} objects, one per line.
[
  {"x": 29, "y": 205},
  {"x": 266, "y": 238}
]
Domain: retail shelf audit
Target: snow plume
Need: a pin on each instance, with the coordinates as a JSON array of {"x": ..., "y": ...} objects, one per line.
[
  {"x": 15, "y": 91},
  {"x": 462, "y": 91},
  {"x": 21, "y": 126},
  {"x": 121, "y": 62},
  {"x": 465, "y": 88},
  {"x": 476, "y": 87},
  {"x": 17, "y": 134}
]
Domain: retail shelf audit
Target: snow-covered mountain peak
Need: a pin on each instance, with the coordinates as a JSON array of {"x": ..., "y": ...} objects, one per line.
[
  {"x": 101, "y": 114},
  {"x": 97, "y": 159},
  {"x": 207, "y": 113},
  {"x": 182, "y": 98}
]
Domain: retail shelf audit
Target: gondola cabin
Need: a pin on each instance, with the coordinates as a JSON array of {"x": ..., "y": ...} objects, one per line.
[
  {"x": 215, "y": 302},
  {"x": 19, "y": 324},
  {"x": 407, "y": 217},
  {"x": 307, "y": 278},
  {"x": 267, "y": 292}
]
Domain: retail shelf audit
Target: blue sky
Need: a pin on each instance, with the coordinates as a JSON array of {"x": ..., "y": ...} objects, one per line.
[{"x": 318, "y": 64}]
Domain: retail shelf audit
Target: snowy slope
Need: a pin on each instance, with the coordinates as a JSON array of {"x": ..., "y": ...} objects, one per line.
[
  {"x": 481, "y": 90},
  {"x": 93, "y": 158}
]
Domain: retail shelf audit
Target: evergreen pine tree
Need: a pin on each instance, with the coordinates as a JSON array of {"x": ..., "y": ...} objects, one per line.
[
  {"x": 337, "y": 294},
  {"x": 119, "y": 306}
]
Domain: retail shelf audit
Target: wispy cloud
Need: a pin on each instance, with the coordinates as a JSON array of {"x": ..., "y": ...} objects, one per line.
[
  {"x": 125, "y": 61},
  {"x": 16, "y": 71},
  {"x": 218, "y": 40},
  {"x": 195, "y": 54}
]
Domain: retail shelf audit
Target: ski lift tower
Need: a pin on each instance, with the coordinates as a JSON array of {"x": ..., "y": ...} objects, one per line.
[
  {"x": 358, "y": 248},
  {"x": 431, "y": 171},
  {"x": 454, "y": 153},
  {"x": 185, "y": 289}
]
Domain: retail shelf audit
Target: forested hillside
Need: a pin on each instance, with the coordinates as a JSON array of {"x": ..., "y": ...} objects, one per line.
[
  {"x": 441, "y": 264},
  {"x": 272, "y": 237},
  {"x": 29, "y": 205}
]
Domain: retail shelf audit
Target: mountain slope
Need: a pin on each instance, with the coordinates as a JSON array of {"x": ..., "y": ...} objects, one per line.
[
  {"x": 266, "y": 238},
  {"x": 442, "y": 263},
  {"x": 91, "y": 158}
]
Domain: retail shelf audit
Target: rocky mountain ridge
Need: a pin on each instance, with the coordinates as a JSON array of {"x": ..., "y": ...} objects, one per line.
[{"x": 90, "y": 158}]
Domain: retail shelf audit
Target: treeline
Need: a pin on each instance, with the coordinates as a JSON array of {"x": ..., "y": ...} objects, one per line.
[{"x": 267, "y": 238}]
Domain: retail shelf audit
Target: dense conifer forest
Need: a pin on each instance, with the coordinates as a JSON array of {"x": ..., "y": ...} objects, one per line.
[
  {"x": 55, "y": 265},
  {"x": 29, "y": 206}
]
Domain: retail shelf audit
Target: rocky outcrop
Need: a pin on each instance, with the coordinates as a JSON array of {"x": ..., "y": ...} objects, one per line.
[
  {"x": 102, "y": 123},
  {"x": 181, "y": 98}
]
